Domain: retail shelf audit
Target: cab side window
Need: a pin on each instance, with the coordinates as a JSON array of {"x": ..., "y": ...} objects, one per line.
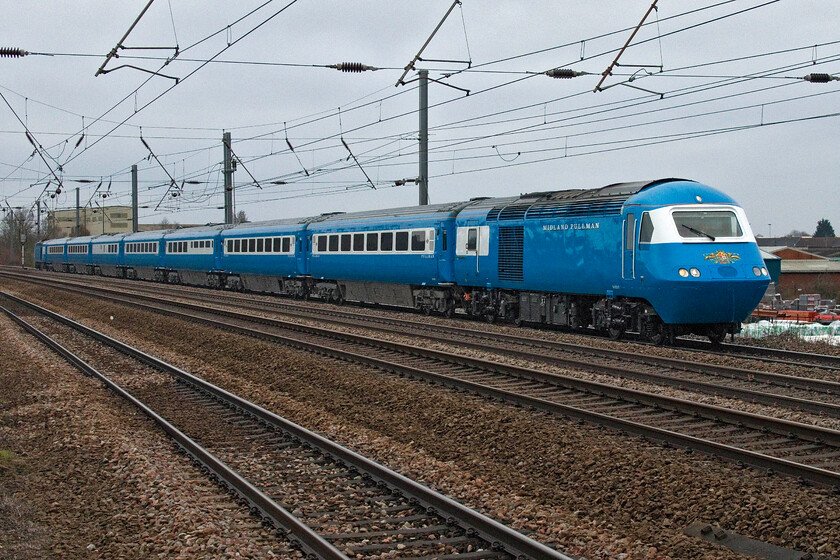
[
  {"x": 646, "y": 233},
  {"x": 472, "y": 239}
]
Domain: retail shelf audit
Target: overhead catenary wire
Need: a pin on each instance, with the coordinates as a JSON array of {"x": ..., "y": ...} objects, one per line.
[
  {"x": 210, "y": 60},
  {"x": 308, "y": 147}
]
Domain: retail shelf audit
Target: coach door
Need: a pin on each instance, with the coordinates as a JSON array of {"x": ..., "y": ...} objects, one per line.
[
  {"x": 302, "y": 249},
  {"x": 472, "y": 243},
  {"x": 628, "y": 263}
]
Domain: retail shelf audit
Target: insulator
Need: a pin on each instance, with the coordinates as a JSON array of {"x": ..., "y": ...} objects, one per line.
[
  {"x": 7, "y": 52},
  {"x": 818, "y": 78},
  {"x": 562, "y": 73},
  {"x": 352, "y": 67}
]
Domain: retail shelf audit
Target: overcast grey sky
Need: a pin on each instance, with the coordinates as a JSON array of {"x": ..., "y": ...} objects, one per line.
[{"x": 771, "y": 141}]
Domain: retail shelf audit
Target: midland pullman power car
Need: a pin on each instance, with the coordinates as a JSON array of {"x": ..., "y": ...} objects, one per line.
[{"x": 662, "y": 258}]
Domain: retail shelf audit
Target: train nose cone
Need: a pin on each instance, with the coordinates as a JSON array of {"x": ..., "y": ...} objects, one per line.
[{"x": 727, "y": 271}]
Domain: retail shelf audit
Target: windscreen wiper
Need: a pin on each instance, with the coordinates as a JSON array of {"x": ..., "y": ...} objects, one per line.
[{"x": 698, "y": 232}]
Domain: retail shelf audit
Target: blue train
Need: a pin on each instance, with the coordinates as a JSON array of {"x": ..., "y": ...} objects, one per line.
[{"x": 663, "y": 258}]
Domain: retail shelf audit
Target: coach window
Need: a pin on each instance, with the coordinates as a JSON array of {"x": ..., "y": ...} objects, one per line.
[
  {"x": 472, "y": 239},
  {"x": 287, "y": 245},
  {"x": 276, "y": 245},
  {"x": 260, "y": 245},
  {"x": 252, "y": 245},
  {"x": 646, "y": 233},
  {"x": 372, "y": 242},
  {"x": 230, "y": 245},
  {"x": 322, "y": 243},
  {"x": 418, "y": 241},
  {"x": 387, "y": 241},
  {"x": 358, "y": 242},
  {"x": 345, "y": 242},
  {"x": 402, "y": 241},
  {"x": 333, "y": 243}
]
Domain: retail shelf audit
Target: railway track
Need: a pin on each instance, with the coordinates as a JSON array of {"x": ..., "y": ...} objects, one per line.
[
  {"x": 368, "y": 320},
  {"x": 808, "y": 452},
  {"x": 794, "y": 392},
  {"x": 323, "y": 498}
]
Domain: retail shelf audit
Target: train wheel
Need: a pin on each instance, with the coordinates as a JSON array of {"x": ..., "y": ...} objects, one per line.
[
  {"x": 657, "y": 333},
  {"x": 615, "y": 333},
  {"x": 717, "y": 335}
]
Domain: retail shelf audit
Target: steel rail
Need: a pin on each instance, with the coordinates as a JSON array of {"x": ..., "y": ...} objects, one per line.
[
  {"x": 719, "y": 414},
  {"x": 498, "y": 535},
  {"x": 770, "y": 399},
  {"x": 462, "y": 335},
  {"x": 786, "y": 357},
  {"x": 301, "y": 535}
]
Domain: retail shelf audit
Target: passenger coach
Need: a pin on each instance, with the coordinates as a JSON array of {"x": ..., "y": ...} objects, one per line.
[
  {"x": 266, "y": 257},
  {"x": 400, "y": 256}
]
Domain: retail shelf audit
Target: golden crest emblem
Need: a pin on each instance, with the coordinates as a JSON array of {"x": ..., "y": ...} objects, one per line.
[{"x": 722, "y": 257}]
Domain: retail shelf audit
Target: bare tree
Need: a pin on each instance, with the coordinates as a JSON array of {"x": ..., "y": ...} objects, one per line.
[
  {"x": 49, "y": 227},
  {"x": 166, "y": 224},
  {"x": 240, "y": 217},
  {"x": 17, "y": 224}
]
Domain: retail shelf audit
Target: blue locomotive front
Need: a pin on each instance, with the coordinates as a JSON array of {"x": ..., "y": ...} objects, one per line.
[
  {"x": 663, "y": 258},
  {"x": 690, "y": 253}
]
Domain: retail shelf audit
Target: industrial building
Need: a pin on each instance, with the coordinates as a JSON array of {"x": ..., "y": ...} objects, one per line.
[{"x": 105, "y": 219}]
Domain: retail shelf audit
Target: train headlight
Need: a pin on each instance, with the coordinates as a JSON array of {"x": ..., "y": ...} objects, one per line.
[
  {"x": 695, "y": 272},
  {"x": 756, "y": 271},
  {"x": 764, "y": 271},
  {"x": 684, "y": 273}
]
